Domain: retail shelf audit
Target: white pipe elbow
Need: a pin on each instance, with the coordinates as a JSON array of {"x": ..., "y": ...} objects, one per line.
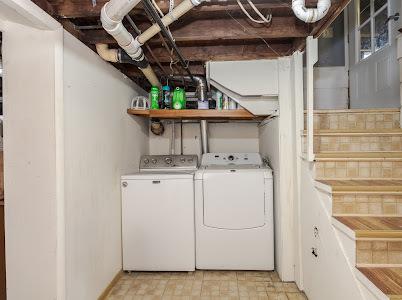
[
  {"x": 124, "y": 38},
  {"x": 310, "y": 15}
]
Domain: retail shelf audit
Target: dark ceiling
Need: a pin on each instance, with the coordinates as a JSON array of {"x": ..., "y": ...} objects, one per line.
[{"x": 215, "y": 30}]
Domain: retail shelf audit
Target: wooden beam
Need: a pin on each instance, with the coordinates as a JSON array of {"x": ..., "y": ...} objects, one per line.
[
  {"x": 229, "y": 52},
  {"x": 134, "y": 72},
  {"x": 71, "y": 28},
  {"x": 324, "y": 23},
  {"x": 79, "y": 9},
  {"x": 46, "y": 6},
  {"x": 222, "y": 30}
]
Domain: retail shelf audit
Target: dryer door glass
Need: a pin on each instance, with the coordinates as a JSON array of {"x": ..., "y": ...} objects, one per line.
[{"x": 234, "y": 199}]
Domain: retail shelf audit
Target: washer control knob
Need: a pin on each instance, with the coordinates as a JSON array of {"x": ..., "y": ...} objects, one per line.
[
  {"x": 190, "y": 160},
  {"x": 230, "y": 157},
  {"x": 168, "y": 160},
  {"x": 146, "y": 161},
  {"x": 153, "y": 161},
  {"x": 124, "y": 184},
  {"x": 182, "y": 160}
]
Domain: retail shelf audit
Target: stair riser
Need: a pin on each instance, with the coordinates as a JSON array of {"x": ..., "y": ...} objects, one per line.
[
  {"x": 358, "y": 169},
  {"x": 381, "y": 120},
  {"x": 358, "y": 204},
  {"x": 357, "y": 143},
  {"x": 378, "y": 252}
]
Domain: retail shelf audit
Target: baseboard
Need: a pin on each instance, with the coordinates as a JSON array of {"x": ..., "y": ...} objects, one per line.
[{"x": 110, "y": 285}]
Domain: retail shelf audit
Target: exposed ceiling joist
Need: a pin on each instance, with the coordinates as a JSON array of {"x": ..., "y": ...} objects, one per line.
[
  {"x": 222, "y": 30},
  {"x": 79, "y": 9},
  {"x": 228, "y": 52},
  {"x": 215, "y": 30}
]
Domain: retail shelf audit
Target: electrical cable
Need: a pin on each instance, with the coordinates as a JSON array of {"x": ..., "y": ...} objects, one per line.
[
  {"x": 246, "y": 30},
  {"x": 259, "y": 13},
  {"x": 263, "y": 21},
  {"x": 158, "y": 9}
]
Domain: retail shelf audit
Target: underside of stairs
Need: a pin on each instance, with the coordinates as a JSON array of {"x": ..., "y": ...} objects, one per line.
[{"x": 358, "y": 155}]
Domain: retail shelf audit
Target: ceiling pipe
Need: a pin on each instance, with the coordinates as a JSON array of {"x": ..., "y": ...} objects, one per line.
[
  {"x": 310, "y": 15},
  {"x": 202, "y": 87},
  {"x": 1, "y": 68},
  {"x": 112, "y": 15},
  {"x": 150, "y": 8},
  {"x": 204, "y": 136}
]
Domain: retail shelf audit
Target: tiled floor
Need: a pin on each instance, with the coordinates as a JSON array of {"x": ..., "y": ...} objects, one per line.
[{"x": 204, "y": 285}]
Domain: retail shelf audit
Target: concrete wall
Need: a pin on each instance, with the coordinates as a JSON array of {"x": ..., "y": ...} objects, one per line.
[
  {"x": 223, "y": 137},
  {"x": 101, "y": 143}
]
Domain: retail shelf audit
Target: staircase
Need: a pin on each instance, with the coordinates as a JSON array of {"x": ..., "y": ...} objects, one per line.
[{"x": 358, "y": 155}]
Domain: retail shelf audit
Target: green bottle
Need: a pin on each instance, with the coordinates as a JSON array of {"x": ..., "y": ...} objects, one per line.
[
  {"x": 179, "y": 98},
  {"x": 154, "y": 97}
]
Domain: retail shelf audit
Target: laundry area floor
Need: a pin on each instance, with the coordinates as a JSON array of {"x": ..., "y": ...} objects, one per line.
[{"x": 204, "y": 285}]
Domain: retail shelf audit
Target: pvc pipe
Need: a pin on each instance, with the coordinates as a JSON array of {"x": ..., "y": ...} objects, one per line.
[
  {"x": 168, "y": 19},
  {"x": 151, "y": 76},
  {"x": 112, "y": 15},
  {"x": 106, "y": 53},
  {"x": 310, "y": 15},
  {"x": 117, "y": 9}
]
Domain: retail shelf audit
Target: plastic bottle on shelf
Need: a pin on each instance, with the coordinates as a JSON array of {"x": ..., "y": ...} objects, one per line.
[
  {"x": 166, "y": 97},
  {"x": 219, "y": 99},
  {"x": 154, "y": 97},
  {"x": 225, "y": 104},
  {"x": 179, "y": 98}
]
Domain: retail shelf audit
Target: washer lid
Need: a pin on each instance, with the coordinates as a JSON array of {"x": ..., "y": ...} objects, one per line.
[
  {"x": 158, "y": 175},
  {"x": 234, "y": 199}
]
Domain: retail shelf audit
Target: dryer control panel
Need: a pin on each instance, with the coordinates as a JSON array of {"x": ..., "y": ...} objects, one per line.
[
  {"x": 168, "y": 163},
  {"x": 225, "y": 159}
]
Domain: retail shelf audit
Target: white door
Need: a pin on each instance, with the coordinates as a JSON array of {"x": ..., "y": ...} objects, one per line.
[
  {"x": 158, "y": 225},
  {"x": 374, "y": 73}
]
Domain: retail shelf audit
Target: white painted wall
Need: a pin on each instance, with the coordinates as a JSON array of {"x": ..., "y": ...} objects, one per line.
[
  {"x": 102, "y": 142},
  {"x": 270, "y": 149},
  {"x": 332, "y": 264},
  {"x": 374, "y": 81},
  {"x": 223, "y": 137},
  {"x": 278, "y": 143},
  {"x": 31, "y": 205},
  {"x": 331, "y": 87},
  {"x": 64, "y": 153}
]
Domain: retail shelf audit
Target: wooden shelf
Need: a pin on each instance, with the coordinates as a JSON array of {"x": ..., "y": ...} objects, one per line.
[{"x": 235, "y": 114}]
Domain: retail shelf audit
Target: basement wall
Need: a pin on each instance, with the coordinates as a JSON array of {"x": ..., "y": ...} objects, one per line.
[
  {"x": 102, "y": 142},
  {"x": 30, "y": 163},
  {"x": 223, "y": 137},
  {"x": 67, "y": 140}
]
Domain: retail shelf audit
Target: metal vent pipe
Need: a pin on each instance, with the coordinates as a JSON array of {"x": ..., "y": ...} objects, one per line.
[{"x": 204, "y": 136}]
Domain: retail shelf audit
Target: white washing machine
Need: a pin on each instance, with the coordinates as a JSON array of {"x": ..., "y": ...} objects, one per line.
[
  {"x": 158, "y": 214},
  {"x": 234, "y": 213}
]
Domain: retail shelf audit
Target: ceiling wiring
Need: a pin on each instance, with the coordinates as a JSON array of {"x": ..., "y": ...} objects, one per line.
[
  {"x": 263, "y": 20},
  {"x": 246, "y": 30}
]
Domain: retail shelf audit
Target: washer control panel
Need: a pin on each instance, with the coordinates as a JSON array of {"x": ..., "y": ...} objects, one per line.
[
  {"x": 169, "y": 162},
  {"x": 223, "y": 159}
]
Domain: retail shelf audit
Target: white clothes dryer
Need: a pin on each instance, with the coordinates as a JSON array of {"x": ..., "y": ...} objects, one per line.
[{"x": 234, "y": 212}]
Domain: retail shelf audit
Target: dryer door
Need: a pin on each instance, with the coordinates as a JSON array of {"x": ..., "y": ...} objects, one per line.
[{"x": 234, "y": 199}]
